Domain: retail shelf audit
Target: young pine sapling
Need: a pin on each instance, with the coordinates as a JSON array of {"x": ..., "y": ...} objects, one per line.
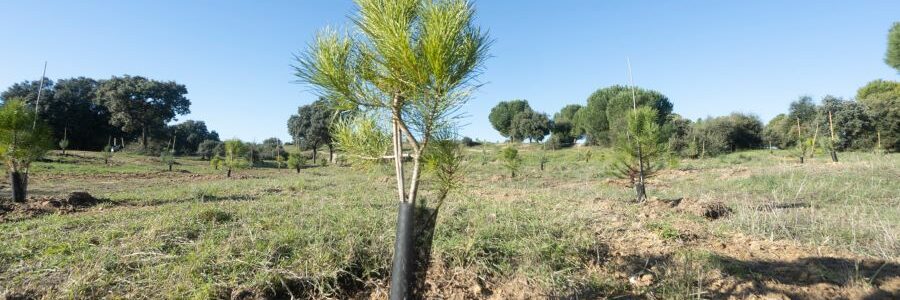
[
  {"x": 167, "y": 157},
  {"x": 107, "y": 154},
  {"x": 511, "y": 160},
  {"x": 216, "y": 162},
  {"x": 640, "y": 152},
  {"x": 23, "y": 139},
  {"x": 543, "y": 159},
  {"x": 235, "y": 151},
  {"x": 296, "y": 161},
  {"x": 412, "y": 65},
  {"x": 64, "y": 142}
]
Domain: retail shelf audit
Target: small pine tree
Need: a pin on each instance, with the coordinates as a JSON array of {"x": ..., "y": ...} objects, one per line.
[
  {"x": 167, "y": 158},
  {"x": 511, "y": 160},
  {"x": 296, "y": 161},
  {"x": 543, "y": 159},
  {"x": 215, "y": 162},
  {"x": 235, "y": 152},
  {"x": 587, "y": 155},
  {"x": 640, "y": 151},
  {"x": 63, "y": 145},
  {"x": 107, "y": 154}
]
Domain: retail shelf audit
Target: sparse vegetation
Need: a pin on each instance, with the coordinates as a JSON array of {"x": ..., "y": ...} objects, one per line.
[
  {"x": 732, "y": 214},
  {"x": 23, "y": 140}
]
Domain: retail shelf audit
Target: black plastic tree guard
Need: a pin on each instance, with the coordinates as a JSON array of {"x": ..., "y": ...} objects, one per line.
[{"x": 403, "y": 253}]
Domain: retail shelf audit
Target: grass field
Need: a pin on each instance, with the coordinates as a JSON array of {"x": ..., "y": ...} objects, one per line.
[{"x": 814, "y": 230}]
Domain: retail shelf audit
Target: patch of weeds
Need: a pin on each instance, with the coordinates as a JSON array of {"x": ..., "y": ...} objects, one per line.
[
  {"x": 665, "y": 230},
  {"x": 685, "y": 275},
  {"x": 213, "y": 215},
  {"x": 205, "y": 193}
]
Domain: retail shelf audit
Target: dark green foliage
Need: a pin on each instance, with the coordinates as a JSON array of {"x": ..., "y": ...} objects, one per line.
[
  {"x": 469, "y": 142},
  {"x": 209, "y": 148},
  {"x": 781, "y": 131},
  {"x": 555, "y": 142},
  {"x": 189, "y": 135},
  {"x": 69, "y": 108},
  {"x": 272, "y": 149},
  {"x": 776, "y": 133},
  {"x": 139, "y": 104},
  {"x": 678, "y": 130},
  {"x": 804, "y": 109},
  {"x": 882, "y": 101},
  {"x": 311, "y": 126},
  {"x": 742, "y": 131},
  {"x": 854, "y": 129},
  {"x": 604, "y": 115},
  {"x": 529, "y": 125},
  {"x": 892, "y": 56},
  {"x": 502, "y": 115},
  {"x": 564, "y": 131},
  {"x": 714, "y": 136}
]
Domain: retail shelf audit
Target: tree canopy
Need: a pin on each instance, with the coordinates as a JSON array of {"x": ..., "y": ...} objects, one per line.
[
  {"x": 564, "y": 129},
  {"x": 311, "y": 126},
  {"x": 502, "y": 115},
  {"x": 529, "y": 125},
  {"x": 604, "y": 115},
  {"x": 190, "y": 134},
  {"x": 892, "y": 56},
  {"x": 882, "y": 101},
  {"x": 69, "y": 108},
  {"x": 136, "y": 103}
]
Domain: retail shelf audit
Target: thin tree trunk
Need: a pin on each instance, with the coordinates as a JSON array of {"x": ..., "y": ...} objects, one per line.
[
  {"x": 330, "y": 153},
  {"x": 144, "y": 138},
  {"x": 18, "y": 186},
  {"x": 228, "y": 174},
  {"x": 834, "y": 157},
  {"x": 401, "y": 270}
]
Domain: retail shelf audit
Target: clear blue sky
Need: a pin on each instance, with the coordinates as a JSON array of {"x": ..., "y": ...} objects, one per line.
[{"x": 708, "y": 57}]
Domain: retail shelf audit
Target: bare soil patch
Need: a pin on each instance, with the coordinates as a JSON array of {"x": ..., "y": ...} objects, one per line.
[{"x": 33, "y": 207}]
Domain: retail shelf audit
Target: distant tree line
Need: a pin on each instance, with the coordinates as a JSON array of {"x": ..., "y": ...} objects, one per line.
[
  {"x": 89, "y": 114},
  {"x": 872, "y": 120}
]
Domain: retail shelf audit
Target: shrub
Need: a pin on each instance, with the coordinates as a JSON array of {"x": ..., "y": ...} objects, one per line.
[
  {"x": 63, "y": 145},
  {"x": 468, "y": 142},
  {"x": 107, "y": 154},
  {"x": 167, "y": 158},
  {"x": 511, "y": 160},
  {"x": 296, "y": 161}
]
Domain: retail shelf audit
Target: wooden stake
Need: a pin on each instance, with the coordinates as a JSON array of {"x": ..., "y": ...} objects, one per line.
[{"x": 834, "y": 157}]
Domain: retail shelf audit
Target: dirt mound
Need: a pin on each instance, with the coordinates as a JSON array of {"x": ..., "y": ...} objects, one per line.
[
  {"x": 710, "y": 210},
  {"x": 33, "y": 207}
]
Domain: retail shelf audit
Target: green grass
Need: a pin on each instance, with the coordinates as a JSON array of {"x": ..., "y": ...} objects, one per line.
[{"x": 195, "y": 234}]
